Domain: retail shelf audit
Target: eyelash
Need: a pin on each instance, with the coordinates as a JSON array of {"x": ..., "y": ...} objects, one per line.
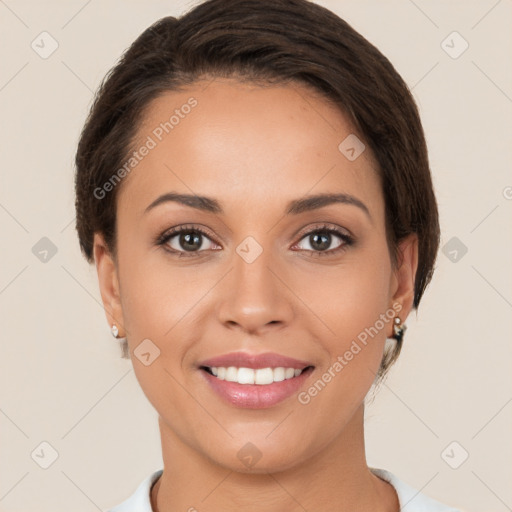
[{"x": 165, "y": 237}]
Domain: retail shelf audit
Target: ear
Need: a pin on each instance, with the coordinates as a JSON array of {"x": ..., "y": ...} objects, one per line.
[
  {"x": 109, "y": 284},
  {"x": 402, "y": 285}
]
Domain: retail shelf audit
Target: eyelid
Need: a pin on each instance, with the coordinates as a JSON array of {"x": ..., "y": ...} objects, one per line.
[{"x": 321, "y": 226}]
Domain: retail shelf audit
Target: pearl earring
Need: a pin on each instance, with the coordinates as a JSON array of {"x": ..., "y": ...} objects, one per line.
[
  {"x": 123, "y": 342},
  {"x": 398, "y": 329}
]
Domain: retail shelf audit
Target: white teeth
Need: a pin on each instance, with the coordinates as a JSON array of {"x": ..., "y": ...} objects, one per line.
[
  {"x": 231, "y": 374},
  {"x": 279, "y": 374},
  {"x": 246, "y": 376},
  {"x": 260, "y": 376},
  {"x": 263, "y": 376}
]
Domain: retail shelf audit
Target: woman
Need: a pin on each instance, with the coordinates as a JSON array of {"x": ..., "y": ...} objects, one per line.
[{"x": 253, "y": 186}]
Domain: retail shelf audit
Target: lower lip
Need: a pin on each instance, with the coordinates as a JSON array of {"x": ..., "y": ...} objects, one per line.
[{"x": 256, "y": 396}]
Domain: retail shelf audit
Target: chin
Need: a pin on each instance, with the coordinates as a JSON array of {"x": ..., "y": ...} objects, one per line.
[
  {"x": 258, "y": 457},
  {"x": 263, "y": 466}
]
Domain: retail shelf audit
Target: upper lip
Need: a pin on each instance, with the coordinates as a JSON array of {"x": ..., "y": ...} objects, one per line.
[{"x": 255, "y": 361}]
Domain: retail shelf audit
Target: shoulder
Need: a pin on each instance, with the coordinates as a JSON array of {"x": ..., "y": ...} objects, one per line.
[
  {"x": 409, "y": 498},
  {"x": 140, "y": 499}
]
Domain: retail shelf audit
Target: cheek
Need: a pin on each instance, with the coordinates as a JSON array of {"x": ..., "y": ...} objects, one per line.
[
  {"x": 156, "y": 306},
  {"x": 154, "y": 295},
  {"x": 352, "y": 296},
  {"x": 356, "y": 300}
]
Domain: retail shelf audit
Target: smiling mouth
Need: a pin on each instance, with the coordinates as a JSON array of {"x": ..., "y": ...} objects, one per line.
[{"x": 260, "y": 376}]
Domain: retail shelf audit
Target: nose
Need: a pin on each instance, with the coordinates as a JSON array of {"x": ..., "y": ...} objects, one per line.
[{"x": 255, "y": 296}]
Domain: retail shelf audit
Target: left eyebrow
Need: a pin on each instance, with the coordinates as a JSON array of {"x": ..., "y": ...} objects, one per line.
[
  {"x": 295, "y": 207},
  {"x": 314, "y": 202}
]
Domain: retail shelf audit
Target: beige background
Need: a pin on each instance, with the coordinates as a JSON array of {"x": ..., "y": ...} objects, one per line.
[{"x": 62, "y": 380}]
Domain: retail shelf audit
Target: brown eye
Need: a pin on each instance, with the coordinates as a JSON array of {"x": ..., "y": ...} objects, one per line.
[
  {"x": 186, "y": 241},
  {"x": 320, "y": 239}
]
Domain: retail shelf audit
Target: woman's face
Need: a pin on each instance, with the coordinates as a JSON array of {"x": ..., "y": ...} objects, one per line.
[{"x": 259, "y": 279}]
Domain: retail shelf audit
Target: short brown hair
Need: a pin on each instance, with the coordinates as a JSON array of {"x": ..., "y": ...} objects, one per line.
[{"x": 266, "y": 41}]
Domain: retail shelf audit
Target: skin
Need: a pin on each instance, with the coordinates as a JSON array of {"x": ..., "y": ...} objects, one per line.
[{"x": 254, "y": 149}]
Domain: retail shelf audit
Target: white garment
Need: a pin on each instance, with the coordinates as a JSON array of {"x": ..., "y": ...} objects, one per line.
[{"x": 410, "y": 499}]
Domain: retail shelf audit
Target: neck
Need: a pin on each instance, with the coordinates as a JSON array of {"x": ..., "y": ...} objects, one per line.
[{"x": 335, "y": 479}]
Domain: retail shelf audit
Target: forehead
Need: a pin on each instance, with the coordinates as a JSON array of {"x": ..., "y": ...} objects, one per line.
[{"x": 244, "y": 142}]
